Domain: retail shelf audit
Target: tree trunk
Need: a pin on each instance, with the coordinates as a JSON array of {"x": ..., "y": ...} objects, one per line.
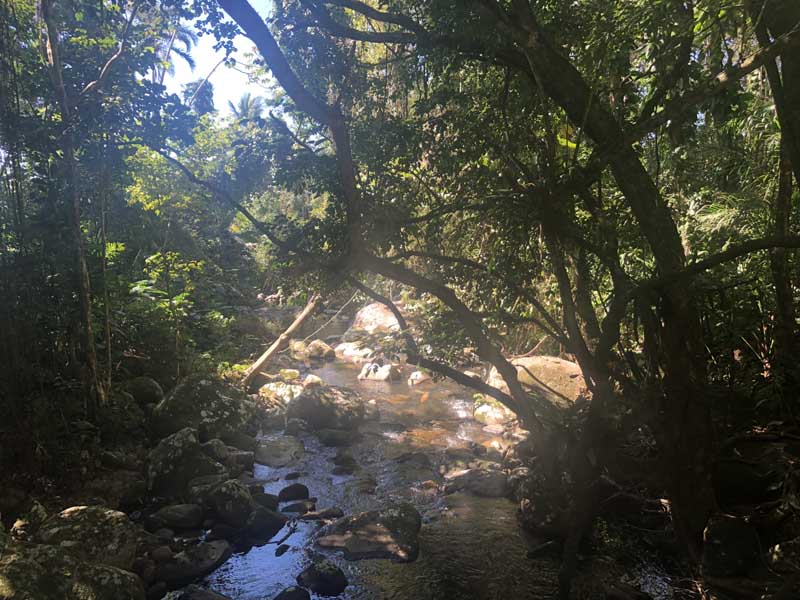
[
  {"x": 683, "y": 428},
  {"x": 280, "y": 343},
  {"x": 785, "y": 325}
]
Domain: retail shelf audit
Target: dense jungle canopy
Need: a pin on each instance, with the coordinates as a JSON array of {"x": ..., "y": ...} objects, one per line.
[{"x": 613, "y": 182}]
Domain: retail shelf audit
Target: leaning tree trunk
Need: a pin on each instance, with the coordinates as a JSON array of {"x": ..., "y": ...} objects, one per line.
[{"x": 281, "y": 342}]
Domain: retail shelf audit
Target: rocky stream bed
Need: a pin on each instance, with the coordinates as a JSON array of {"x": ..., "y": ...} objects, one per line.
[{"x": 340, "y": 478}]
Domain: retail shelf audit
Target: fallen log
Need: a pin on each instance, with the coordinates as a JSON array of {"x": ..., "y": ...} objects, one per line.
[{"x": 281, "y": 342}]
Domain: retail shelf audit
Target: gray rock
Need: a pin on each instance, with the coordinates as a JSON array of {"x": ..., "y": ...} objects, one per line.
[
  {"x": 336, "y": 438},
  {"x": 376, "y": 372},
  {"x": 353, "y": 352},
  {"x": 212, "y": 406},
  {"x": 193, "y": 563},
  {"x": 280, "y": 451},
  {"x": 301, "y": 507},
  {"x": 217, "y": 450},
  {"x": 233, "y": 502},
  {"x": 39, "y": 572},
  {"x": 179, "y": 516},
  {"x": 175, "y": 461},
  {"x": 374, "y": 318},
  {"x": 390, "y": 533},
  {"x": 240, "y": 440},
  {"x": 418, "y": 377},
  {"x": 319, "y": 350},
  {"x": 263, "y": 524},
  {"x": 144, "y": 390},
  {"x": 295, "y": 491},
  {"x": 269, "y": 501},
  {"x": 293, "y": 593},
  {"x": 328, "y": 407},
  {"x": 325, "y": 514},
  {"x": 324, "y": 578},
  {"x": 93, "y": 533},
  {"x": 199, "y": 489},
  {"x": 295, "y": 427},
  {"x": 161, "y": 553},
  {"x": 481, "y": 482}
]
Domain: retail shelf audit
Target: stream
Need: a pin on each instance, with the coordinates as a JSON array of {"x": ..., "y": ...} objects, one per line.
[{"x": 470, "y": 547}]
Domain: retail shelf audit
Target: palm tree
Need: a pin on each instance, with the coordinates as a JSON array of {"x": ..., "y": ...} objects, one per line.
[
  {"x": 180, "y": 40},
  {"x": 248, "y": 107}
]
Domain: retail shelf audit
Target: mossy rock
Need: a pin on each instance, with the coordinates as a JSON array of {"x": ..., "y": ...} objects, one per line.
[{"x": 211, "y": 406}]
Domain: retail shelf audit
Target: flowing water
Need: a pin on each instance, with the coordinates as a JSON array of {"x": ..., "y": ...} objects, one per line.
[{"x": 470, "y": 547}]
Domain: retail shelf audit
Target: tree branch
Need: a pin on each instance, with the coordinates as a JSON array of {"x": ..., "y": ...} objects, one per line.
[{"x": 123, "y": 45}]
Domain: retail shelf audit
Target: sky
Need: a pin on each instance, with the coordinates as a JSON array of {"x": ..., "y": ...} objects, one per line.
[{"x": 229, "y": 84}]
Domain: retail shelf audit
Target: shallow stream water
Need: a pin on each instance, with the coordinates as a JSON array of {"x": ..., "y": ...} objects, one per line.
[{"x": 470, "y": 547}]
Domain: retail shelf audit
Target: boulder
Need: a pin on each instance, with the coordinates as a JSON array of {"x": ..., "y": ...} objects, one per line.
[
  {"x": 280, "y": 451},
  {"x": 263, "y": 524},
  {"x": 176, "y": 460},
  {"x": 324, "y": 578},
  {"x": 40, "y": 572},
  {"x": 335, "y": 438},
  {"x": 559, "y": 381},
  {"x": 240, "y": 440},
  {"x": 295, "y": 427},
  {"x": 481, "y": 482},
  {"x": 94, "y": 534},
  {"x": 490, "y": 412},
  {"x": 198, "y": 490},
  {"x": 302, "y": 507},
  {"x": 193, "y": 563},
  {"x": 418, "y": 377},
  {"x": 319, "y": 350},
  {"x": 233, "y": 502},
  {"x": 373, "y": 319},
  {"x": 390, "y": 533},
  {"x": 289, "y": 374},
  {"x": 328, "y": 407},
  {"x": 179, "y": 516},
  {"x": 241, "y": 458},
  {"x": 353, "y": 352},
  {"x": 269, "y": 501},
  {"x": 293, "y": 593},
  {"x": 312, "y": 380},
  {"x": 280, "y": 392},
  {"x": 326, "y": 514},
  {"x": 144, "y": 390},
  {"x": 212, "y": 406},
  {"x": 295, "y": 491},
  {"x": 217, "y": 450},
  {"x": 376, "y": 372}
]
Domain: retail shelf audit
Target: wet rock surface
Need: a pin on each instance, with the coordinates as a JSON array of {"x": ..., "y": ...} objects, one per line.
[
  {"x": 388, "y": 533},
  {"x": 178, "y": 516},
  {"x": 328, "y": 408},
  {"x": 324, "y": 578},
  {"x": 279, "y": 451},
  {"x": 192, "y": 563}
]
